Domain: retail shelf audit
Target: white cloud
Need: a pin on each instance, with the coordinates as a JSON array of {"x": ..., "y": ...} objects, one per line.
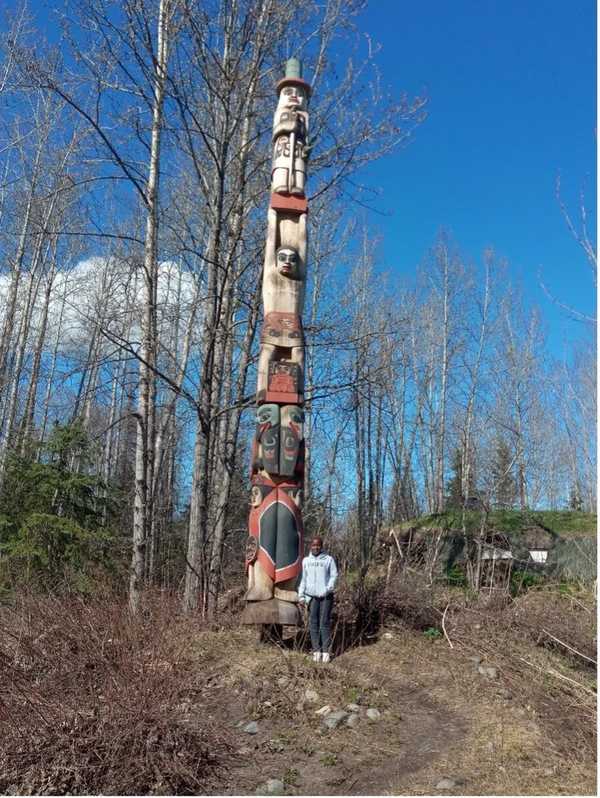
[{"x": 108, "y": 293}]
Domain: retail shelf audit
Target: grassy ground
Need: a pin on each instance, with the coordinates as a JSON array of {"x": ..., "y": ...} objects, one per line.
[
  {"x": 93, "y": 701},
  {"x": 441, "y": 717},
  {"x": 565, "y": 523}
]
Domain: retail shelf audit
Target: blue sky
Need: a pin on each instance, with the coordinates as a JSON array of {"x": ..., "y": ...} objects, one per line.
[{"x": 512, "y": 104}]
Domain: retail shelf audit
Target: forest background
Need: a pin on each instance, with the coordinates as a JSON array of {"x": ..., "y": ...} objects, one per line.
[{"x": 135, "y": 159}]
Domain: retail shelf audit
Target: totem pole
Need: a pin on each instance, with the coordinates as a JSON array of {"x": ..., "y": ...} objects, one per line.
[{"x": 274, "y": 548}]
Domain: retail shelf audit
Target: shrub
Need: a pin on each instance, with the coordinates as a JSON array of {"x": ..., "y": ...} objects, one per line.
[
  {"x": 522, "y": 581},
  {"x": 93, "y": 700}
]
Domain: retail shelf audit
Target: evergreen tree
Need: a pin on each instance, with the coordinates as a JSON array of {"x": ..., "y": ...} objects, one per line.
[
  {"x": 455, "y": 497},
  {"x": 454, "y": 494},
  {"x": 505, "y": 484},
  {"x": 575, "y": 500},
  {"x": 53, "y": 511},
  {"x": 403, "y": 504}
]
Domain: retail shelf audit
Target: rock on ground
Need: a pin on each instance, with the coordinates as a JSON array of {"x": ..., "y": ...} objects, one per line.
[
  {"x": 271, "y": 787},
  {"x": 251, "y": 728},
  {"x": 335, "y": 718},
  {"x": 448, "y": 784},
  {"x": 491, "y": 673},
  {"x": 373, "y": 714}
]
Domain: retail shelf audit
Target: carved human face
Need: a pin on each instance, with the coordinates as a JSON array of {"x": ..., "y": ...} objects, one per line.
[
  {"x": 255, "y": 496},
  {"x": 288, "y": 263},
  {"x": 293, "y": 97}
]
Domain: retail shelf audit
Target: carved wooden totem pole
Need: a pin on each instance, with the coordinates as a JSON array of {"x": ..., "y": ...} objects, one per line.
[{"x": 274, "y": 549}]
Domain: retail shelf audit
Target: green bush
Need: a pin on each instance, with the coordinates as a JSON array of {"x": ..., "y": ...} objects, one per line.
[
  {"x": 522, "y": 581},
  {"x": 456, "y": 577}
]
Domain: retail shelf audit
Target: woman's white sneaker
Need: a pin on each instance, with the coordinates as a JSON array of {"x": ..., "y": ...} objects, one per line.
[
  {"x": 317, "y": 656},
  {"x": 325, "y": 656}
]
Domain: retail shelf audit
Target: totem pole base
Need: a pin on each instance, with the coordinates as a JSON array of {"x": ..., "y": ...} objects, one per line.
[{"x": 273, "y": 611}]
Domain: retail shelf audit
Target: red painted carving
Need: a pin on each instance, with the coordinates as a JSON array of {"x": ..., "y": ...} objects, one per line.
[
  {"x": 282, "y": 329},
  {"x": 288, "y": 81},
  {"x": 284, "y": 382},
  {"x": 289, "y": 203},
  {"x": 283, "y": 495}
]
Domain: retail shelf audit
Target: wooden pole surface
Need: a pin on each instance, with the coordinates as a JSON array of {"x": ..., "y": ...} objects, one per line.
[{"x": 275, "y": 544}]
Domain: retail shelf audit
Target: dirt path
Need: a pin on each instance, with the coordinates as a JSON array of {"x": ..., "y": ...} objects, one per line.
[
  {"x": 292, "y": 743},
  {"x": 440, "y": 719}
]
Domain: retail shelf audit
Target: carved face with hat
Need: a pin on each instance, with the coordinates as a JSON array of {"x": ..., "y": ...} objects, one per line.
[{"x": 293, "y": 95}]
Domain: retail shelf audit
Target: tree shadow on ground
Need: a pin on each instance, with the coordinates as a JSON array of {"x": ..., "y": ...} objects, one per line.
[{"x": 363, "y": 630}]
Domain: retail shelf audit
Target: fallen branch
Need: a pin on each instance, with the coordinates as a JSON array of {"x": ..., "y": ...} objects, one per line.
[
  {"x": 558, "y": 675},
  {"x": 566, "y": 645},
  {"x": 444, "y": 627}
]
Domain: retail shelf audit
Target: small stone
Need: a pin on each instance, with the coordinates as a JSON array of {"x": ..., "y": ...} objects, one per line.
[
  {"x": 272, "y": 787},
  {"x": 373, "y": 714},
  {"x": 251, "y": 728},
  {"x": 548, "y": 771},
  {"x": 324, "y": 710},
  {"x": 352, "y": 721},
  {"x": 489, "y": 672},
  {"x": 445, "y": 784},
  {"x": 387, "y": 635},
  {"x": 335, "y": 718},
  {"x": 311, "y": 696},
  {"x": 352, "y": 708},
  {"x": 267, "y": 704},
  {"x": 283, "y": 682}
]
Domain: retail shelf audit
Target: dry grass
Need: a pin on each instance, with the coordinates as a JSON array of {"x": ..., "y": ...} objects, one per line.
[
  {"x": 93, "y": 700},
  {"x": 532, "y": 728},
  {"x": 526, "y": 731}
]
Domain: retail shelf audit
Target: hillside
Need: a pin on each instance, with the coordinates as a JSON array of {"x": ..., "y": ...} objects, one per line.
[{"x": 563, "y": 523}]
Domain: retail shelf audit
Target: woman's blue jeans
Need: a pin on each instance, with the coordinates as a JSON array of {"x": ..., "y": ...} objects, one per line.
[{"x": 319, "y": 622}]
